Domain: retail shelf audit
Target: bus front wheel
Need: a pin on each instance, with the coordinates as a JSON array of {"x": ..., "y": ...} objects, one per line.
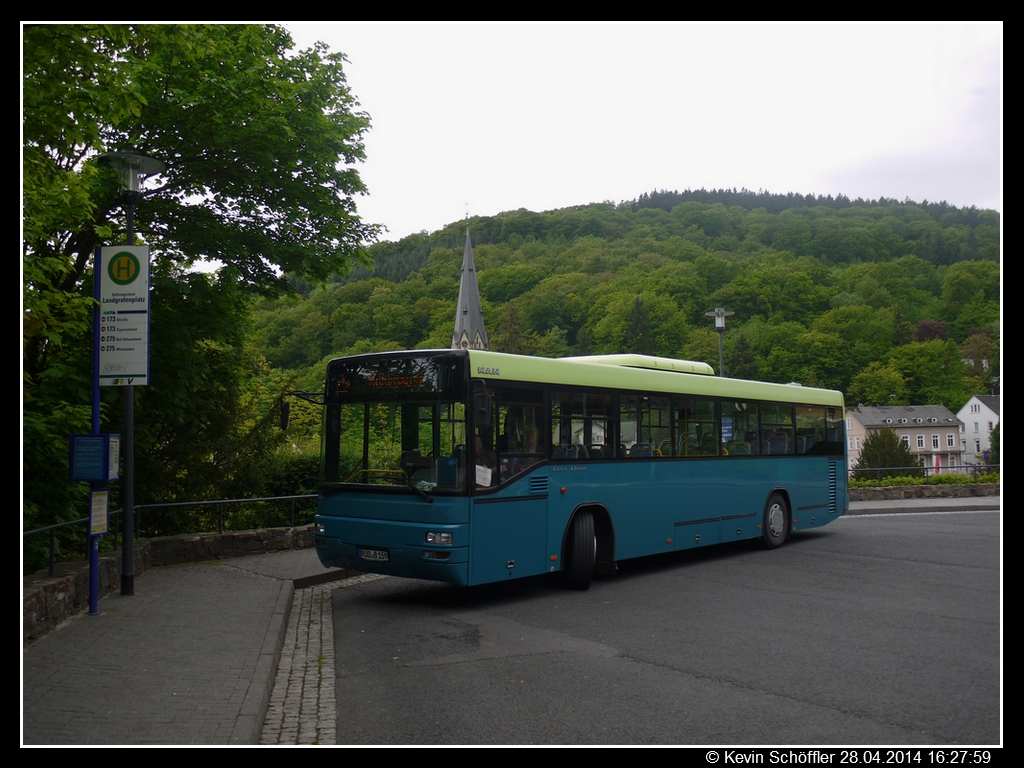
[
  {"x": 775, "y": 527},
  {"x": 580, "y": 552}
]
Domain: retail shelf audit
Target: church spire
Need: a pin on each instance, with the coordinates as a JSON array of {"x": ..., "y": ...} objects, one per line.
[{"x": 469, "y": 315}]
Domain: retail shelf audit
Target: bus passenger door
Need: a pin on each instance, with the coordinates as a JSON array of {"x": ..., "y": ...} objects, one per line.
[{"x": 509, "y": 537}]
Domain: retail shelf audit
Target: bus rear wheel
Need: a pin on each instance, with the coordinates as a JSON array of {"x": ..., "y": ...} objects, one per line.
[
  {"x": 580, "y": 552},
  {"x": 775, "y": 526}
]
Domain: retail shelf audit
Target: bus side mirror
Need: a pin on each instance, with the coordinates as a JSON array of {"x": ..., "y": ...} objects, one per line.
[
  {"x": 285, "y": 409},
  {"x": 482, "y": 408}
]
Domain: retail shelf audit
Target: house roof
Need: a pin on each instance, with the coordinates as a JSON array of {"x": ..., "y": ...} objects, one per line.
[
  {"x": 989, "y": 401},
  {"x": 893, "y": 415}
]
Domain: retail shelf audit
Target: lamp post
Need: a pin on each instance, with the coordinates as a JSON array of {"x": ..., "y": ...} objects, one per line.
[
  {"x": 133, "y": 168},
  {"x": 720, "y": 314}
]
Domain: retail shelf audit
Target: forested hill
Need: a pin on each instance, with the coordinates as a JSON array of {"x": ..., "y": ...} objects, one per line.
[
  {"x": 775, "y": 203},
  {"x": 881, "y": 299}
]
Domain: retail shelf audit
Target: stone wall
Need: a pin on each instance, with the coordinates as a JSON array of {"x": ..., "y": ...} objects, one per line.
[
  {"x": 924, "y": 492},
  {"x": 51, "y": 600},
  {"x": 191, "y": 548},
  {"x": 48, "y": 601}
]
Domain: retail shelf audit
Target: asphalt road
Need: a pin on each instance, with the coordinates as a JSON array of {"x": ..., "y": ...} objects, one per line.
[{"x": 880, "y": 630}]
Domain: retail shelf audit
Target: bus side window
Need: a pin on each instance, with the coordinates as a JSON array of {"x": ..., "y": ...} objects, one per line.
[
  {"x": 520, "y": 429},
  {"x": 740, "y": 429},
  {"x": 777, "y": 430},
  {"x": 810, "y": 429},
  {"x": 582, "y": 424},
  {"x": 696, "y": 427}
]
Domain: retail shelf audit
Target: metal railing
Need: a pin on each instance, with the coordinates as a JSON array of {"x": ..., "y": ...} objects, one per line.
[
  {"x": 116, "y": 516},
  {"x": 220, "y": 504},
  {"x": 965, "y": 470}
]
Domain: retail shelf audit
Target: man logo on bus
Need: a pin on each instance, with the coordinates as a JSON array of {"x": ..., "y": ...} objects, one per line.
[{"x": 123, "y": 268}]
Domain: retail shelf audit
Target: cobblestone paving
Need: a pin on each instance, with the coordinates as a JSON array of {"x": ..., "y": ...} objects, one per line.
[{"x": 302, "y": 707}]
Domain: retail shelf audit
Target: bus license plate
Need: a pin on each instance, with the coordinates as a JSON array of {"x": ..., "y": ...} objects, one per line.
[{"x": 376, "y": 555}]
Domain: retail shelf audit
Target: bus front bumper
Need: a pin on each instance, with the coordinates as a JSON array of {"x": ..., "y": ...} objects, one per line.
[{"x": 411, "y": 550}]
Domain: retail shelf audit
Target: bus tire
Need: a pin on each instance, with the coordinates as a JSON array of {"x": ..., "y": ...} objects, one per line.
[
  {"x": 580, "y": 551},
  {"x": 775, "y": 526}
]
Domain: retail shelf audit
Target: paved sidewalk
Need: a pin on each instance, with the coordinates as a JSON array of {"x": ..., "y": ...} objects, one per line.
[
  {"x": 189, "y": 659},
  {"x": 902, "y": 506}
]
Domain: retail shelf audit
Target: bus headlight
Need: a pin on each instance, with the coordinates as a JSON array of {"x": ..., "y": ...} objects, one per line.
[
  {"x": 439, "y": 538},
  {"x": 320, "y": 528}
]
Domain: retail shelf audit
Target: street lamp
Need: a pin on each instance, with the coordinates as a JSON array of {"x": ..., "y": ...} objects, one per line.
[
  {"x": 133, "y": 168},
  {"x": 720, "y": 314}
]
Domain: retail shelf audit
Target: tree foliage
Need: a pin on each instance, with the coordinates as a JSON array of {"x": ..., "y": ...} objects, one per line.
[
  {"x": 993, "y": 457},
  {"x": 885, "y": 454},
  {"x": 260, "y": 143},
  {"x": 878, "y": 385},
  {"x": 837, "y": 308}
]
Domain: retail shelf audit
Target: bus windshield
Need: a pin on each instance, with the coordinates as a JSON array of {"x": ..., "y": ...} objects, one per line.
[{"x": 399, "y": 421}]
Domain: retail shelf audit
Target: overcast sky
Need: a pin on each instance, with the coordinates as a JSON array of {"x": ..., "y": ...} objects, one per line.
[{"x": 505, "y": 116}]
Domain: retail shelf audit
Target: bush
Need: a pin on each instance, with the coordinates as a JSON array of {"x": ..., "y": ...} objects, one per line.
[
  {"x": 886, "y": 456},
  {"x": 292, "y": 474},
  {"x": 950, "y": 479},
  {"x": 943, "y": 479}
]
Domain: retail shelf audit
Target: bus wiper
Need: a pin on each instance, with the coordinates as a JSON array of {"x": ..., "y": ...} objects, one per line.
[{"x": 420, "y": 491}]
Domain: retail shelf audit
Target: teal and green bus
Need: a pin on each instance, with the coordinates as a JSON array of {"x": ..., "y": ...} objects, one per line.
[{"x": 472, "y": 467}]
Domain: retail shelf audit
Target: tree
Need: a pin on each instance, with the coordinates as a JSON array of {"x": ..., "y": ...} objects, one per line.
[
  {"x": 201, "y": 430},
  {"x": 993, "y": 456},
  {"x": 886, "y": 455},
  {"x": 509, "y": 334},
  {"x": 867, "y": 333},
  {"x": 878, "y": 385},
  {"x": 260, "y": 144},
  {"x": 816, "y": 359},
  {"x": 646, "y": 323},
  {"x": 702, "y": 346},
  {"x": 511, "y": 281},
  {"x": 639, "y": 336},
  {"x": 930, "y": 329},
  {"x": 934, "y": 372},
  {"x": 780, "y": 288},
  {"x": 743, "y": 363},
  {"x": 981, "y": 356}
]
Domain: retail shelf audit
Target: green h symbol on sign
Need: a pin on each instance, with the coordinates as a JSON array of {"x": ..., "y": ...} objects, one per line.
[{"x": 123, "y": 268}]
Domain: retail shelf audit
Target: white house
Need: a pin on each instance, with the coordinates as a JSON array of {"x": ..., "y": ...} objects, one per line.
[{"x": 980, "y": 415}]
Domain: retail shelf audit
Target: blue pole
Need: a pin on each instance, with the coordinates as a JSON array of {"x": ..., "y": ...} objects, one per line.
[
  {"x": 94, "y": 540},
  {"x": 94, "y": 572}
]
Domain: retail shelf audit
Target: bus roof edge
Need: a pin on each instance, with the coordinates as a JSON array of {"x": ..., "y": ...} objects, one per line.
[{"x": 647, "y": 361}]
